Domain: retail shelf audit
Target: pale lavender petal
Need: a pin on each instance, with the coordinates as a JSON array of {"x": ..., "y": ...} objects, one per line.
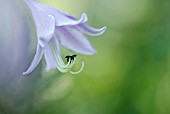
[
  {"x": 74, "y": 40},
  {"x": 45, "y": 23},
  {"x": 56, "y": 43},
  {"x": 35, "y": 61},
  {"x": 45, "y": 30},
  {"x": 69, "y": 20},
  {"x": 49, "y": 58},
  {"x": 61, "y": 18},
  {"x": 90, "y": 30}
]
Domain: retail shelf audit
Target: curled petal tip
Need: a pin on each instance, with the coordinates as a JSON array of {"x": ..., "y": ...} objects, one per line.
[
  {"x": 73, "y": 21},
  {"x": 84, "y": 17},
  {"x": 103, "y": 29},
  {"x": 25, "y": 73},
  {"x": 90, "y": 30}
]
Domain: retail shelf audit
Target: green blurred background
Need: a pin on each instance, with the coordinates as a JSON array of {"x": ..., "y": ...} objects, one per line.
[{"x": 129, "y": 74}]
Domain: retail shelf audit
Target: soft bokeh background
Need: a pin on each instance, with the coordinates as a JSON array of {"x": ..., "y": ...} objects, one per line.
[{"x": 129, "y": 74}]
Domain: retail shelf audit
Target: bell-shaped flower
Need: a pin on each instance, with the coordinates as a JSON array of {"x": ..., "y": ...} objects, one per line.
[{"x": 55, "y": 28}]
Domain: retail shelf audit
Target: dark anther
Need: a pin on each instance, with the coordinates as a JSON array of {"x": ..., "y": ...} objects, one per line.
[
  {"x": 67, "y": 57},
  {"x": 70, "y": 57},
  {"x": 73, "y": 56}
]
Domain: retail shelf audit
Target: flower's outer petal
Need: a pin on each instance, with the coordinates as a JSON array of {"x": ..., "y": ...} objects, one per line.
[
  {"x": 45, "y": 29},
  {"x": 61, "y": 18},
  {"x": 74, "y": 40},
  {"x": 35, "y": 61},
  {"x": 65, "y": 19},
  {"x": 45, "y": 23},
  {"x": 49, "y": 58},
  {"x": 90, "y": 30}
]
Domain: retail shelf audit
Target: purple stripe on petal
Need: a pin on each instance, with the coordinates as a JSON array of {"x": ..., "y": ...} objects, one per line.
[
  {"x": 74, "y": 40},
  {"x": 90, "y": 30}
]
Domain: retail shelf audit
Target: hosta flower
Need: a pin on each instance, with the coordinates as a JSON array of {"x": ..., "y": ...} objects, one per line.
[{"x": 55, "y": 28}]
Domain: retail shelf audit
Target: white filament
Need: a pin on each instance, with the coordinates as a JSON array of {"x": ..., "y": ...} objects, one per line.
[
  {"x": 62, "y": 67},
  {"x": 82, "y": 66}
]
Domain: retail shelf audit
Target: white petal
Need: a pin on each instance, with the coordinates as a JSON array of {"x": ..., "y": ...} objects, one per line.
[
  {"x": 74, "y": 40},
  {"x": 49, "y": 58},
  {"x": 90, "y": 30},
  {"x": 35, "y": 61},
  {"x": 61, "y": 18}
]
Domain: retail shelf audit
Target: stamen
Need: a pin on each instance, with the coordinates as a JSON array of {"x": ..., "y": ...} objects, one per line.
[
  {"x": 67, "y": 58},
  {"x": 62, "y": 67},
  {"x": 73, "y": 58},
  {"x": 58, "y": 58},
  {"x": 70, "y": 57},
  {"x": 82, "y": 66}
]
